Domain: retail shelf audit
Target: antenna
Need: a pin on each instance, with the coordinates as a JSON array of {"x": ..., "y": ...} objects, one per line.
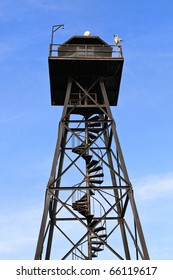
[{"x": 54, "y": 29}]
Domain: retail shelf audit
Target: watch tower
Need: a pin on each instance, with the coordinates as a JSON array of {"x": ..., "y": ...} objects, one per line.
[{"x": 89, "y": 209}]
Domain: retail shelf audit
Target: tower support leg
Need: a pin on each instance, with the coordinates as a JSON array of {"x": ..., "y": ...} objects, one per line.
[
  {"x": 99, "y": 201},
  {"x": 60, "y": 141}
]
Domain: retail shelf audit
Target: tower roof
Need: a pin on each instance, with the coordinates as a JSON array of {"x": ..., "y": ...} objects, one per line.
[{"x": 94, "y": 40}]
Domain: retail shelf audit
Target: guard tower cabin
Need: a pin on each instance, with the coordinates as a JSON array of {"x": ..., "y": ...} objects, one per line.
[{"x": 84, "y": 59}]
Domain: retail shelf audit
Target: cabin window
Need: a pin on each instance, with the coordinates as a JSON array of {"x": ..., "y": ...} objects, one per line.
[{"x": 86, "y": 51}]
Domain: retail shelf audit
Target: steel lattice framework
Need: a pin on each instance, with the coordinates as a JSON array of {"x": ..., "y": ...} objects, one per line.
[{"x": 89, "y": 208}]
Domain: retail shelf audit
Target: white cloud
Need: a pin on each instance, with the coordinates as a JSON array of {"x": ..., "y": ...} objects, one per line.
[
  {"x": 154, "y": 186},
  {"x": 21, "y": 10},
  {"x": 19, "y": 231},
  {"x": 61, "y": 5},
  {"x": 20, "y": 224}
]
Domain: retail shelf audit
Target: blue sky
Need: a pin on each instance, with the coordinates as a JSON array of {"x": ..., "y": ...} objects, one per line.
[{"x": 28, "y": 124}]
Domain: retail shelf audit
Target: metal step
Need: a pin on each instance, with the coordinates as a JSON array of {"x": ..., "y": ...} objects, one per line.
[
  {"x": 80, "y": 203},
  {"x": 96, "y": 181},
  {"x": 92, "y": 163},
  {"x": 97, "y": 243},
  {"x": 94, "y": 130},
  {"x": 80, "y": 207},
  {"x": 83, "y": 198},
  {"x": 96, "y": 175},
  {"x": 96, "y": 249},
  {"x": 97, "y": 124},
  {"x": 94, "y": 222},
  {"x": 79, "y": 149},
  {"x": 94, "y": 255},
  {"x": 87, "y": 158},
  {"x": 97, "y": 168},
  {"x": 92, "y": 192},
  {"x": 100, "y": 235},
  {"x": 99, "y": 229},
  {"x": 95, "y": 118},
  {"x": 89, "y": 218},
  {"x": 92, "y": 136},
  {"x": 84, "y": 213}
]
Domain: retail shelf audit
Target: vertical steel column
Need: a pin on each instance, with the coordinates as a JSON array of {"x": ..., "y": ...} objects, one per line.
[{"x": 88, "y": 192}]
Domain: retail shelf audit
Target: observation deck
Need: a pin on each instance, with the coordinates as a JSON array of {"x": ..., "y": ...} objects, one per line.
[{"x": 85, "y": 58}]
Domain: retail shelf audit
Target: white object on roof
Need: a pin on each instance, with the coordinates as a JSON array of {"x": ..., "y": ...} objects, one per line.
[{"x": 87, "y": 33}]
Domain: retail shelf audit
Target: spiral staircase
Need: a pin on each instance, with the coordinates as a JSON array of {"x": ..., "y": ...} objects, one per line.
[{"x": 94, "y": 178}]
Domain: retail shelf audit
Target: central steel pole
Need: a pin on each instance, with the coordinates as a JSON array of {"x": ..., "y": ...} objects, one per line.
[{"x": 88, "y": 191}]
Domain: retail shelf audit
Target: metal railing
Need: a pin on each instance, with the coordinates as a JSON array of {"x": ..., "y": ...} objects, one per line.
[{"x": 85, "y": 51}]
